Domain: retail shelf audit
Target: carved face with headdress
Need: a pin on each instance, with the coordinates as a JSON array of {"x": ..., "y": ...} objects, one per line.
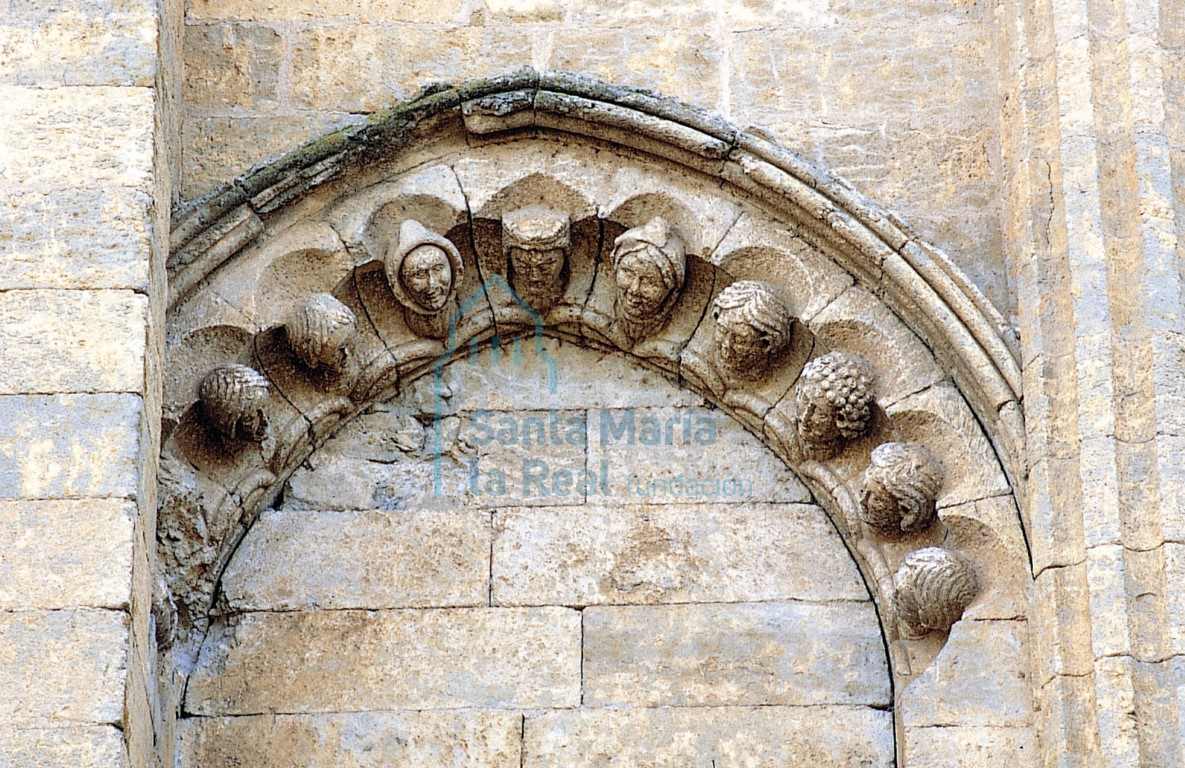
[
  {"x": 423, "y": 269},
  {"x": 649, "y": 265},
  {"x": 753, "y": 327},
  {"x": 536, "y": 241}
]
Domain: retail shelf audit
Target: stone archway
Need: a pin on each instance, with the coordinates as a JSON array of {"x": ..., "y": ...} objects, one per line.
[{"x": 464, "y": 162}]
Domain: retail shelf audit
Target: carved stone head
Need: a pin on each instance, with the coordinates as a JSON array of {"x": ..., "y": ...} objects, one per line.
[
  {"x": 320, "y": 330},
  {"x": 753, "y": 328},
  {"x": 423, "y": 269},
  {"x": 833, "y": 400},
  {"x": 900, "y": 486},
  {"x": 933, "y": 588},
  {"x": 234, "y": 398},
  {"x": 649, "y": 265},
  {"x": 536, "y": 240}
]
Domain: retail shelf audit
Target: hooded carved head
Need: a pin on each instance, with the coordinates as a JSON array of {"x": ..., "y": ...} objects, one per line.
[
  {"x": 423, "y": 269},
  {"x": 234, "y": 398},
  {"x": 753, "y": 326},
  {"x": 649, "y": 266}
]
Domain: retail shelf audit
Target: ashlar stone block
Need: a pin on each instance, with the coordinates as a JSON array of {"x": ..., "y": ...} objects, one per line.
[
  {"x": 72, "y": 341},
  {"x": 971, "y": 747},
  {"x": 109, "y": 131},
  {"x": 670, "y": 554},
  {"x": 75, "y": 238},
  {"x": 724, "y": 737},
  {"x": 981, "y": 678},
  {"x": 55, "y": 746},
  {"x": 69, "y": 446},
  {"x": 65, "y": 665},
  {"x": 473, "y": 739},
  {"x": 299, "y": 560},
  {"x": 232, "y": 65},
  {"x": 63, "y": 554},
  {"x": 680, "y": 455},
  {"x": 335, "y": 661},
  {"x": 735, "y": 654}
]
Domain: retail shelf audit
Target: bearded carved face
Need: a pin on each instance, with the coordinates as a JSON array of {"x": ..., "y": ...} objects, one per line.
[
  {"x": 427, "y": 276},
  {"x": 538, "y": 275},
  {"x": 641, "y": 286}
]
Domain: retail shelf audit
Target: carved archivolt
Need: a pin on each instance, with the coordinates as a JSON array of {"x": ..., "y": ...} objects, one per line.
[{"x": 699, "y": 251}]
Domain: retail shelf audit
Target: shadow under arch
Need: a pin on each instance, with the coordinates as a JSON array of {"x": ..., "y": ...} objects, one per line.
[{"x": 894, "y": 281}]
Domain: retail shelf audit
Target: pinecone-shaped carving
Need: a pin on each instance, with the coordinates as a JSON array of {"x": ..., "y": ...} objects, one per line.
[
  {"x": 933, "y": 588},
  {"x": 234, "y": 398},
  {"x": 901, "y": 485},
  {"x": 319, "y": 331},
  {"x": 833, "y": 398}
]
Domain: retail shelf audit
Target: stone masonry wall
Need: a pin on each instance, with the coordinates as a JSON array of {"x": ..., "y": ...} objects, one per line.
[
  {"x": 516, "y": 618},
  {"x": 900, "y": 97},
  {"x": 84, "y": 158}
]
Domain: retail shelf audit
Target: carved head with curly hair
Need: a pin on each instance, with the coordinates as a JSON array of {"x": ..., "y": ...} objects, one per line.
[
  {"x": 753, "y": 326},
  {"x": 900, "y": 487},
  {"x": 833, "y": 398}
]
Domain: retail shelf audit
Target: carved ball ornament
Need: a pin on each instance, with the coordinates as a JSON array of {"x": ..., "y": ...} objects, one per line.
[
  {"x": 320, "y": 330},
  {"x": 900, "y": 487},
  {"x": 833, "y": 401},
  {"x": 753, "y": 326},
  {"x": 649, "y": 267},
  {"x": 933, "y": 588},
  {"x": 234, "y": 398}
]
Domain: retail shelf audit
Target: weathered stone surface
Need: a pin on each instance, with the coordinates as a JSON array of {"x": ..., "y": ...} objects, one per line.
[
  {"x": 64, "y": 554},
  {"x": 75, "y": 238},
  {"x": 670, "y": 554},
  {"x": 232, "y": 65},
  {"x": 109, "y": 42},
  {"x": 364, "y": 68},
  {"x": 69, "y": 446},
  {"x": 707, "y": 455},
  {"x": 408, "y": 659},
  {"x": 974, "y": 747},
  {"x": 981, "y": 678},
  {"x": 65, "y": 665},
  {"x": 694, "y": 14},
  {"x": 520, "y": 375},
  {"x": 299, "y": 560},
  {"x": 736, "y": 654},
  {"x": 220, "y": 148},
  {"x": 777, "y": 67},
  {"x": 668, "y": 61},
  {"x": 72, "y": 341},
  {"x": 358, "y": 740},
  {"x": 57, "y": 746},
  {"x": 724, "y": 737},
  {"x": 424, "y": 11},
  {"x": 108, "y": 130}
]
